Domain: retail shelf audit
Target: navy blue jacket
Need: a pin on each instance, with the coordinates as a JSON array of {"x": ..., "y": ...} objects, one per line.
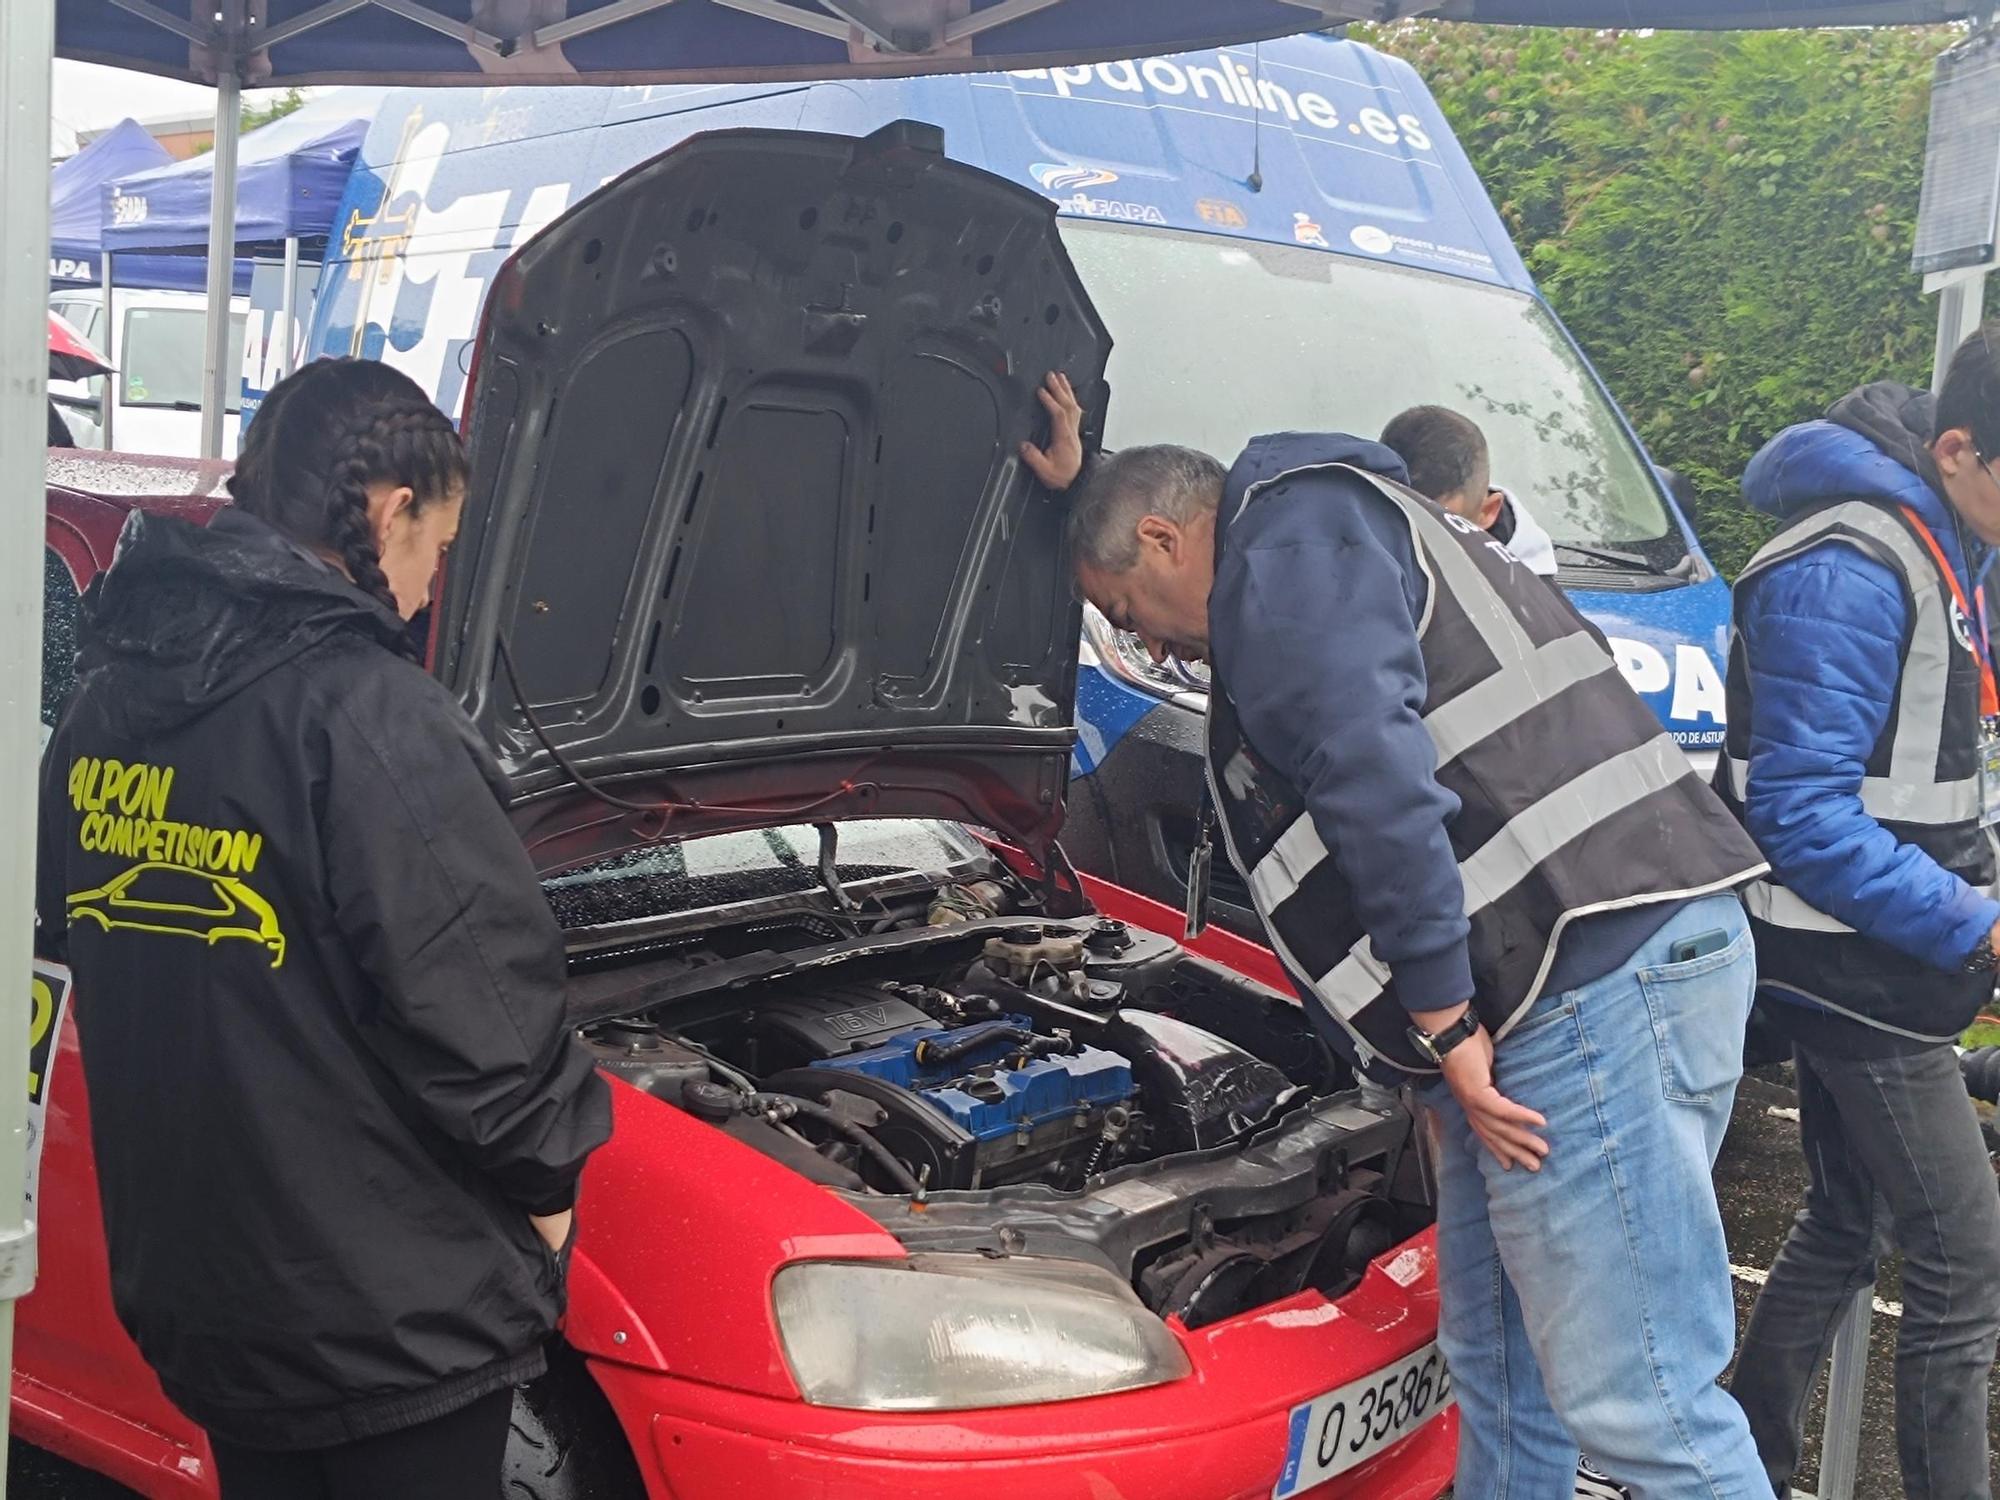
[{"x": 1823, "y": 635}]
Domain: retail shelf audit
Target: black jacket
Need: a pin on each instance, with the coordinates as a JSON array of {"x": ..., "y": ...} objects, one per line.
[{"x": 319, "y": 993}]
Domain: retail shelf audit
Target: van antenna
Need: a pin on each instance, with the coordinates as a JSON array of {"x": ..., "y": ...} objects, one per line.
[{"x": 1257, "y": 118}]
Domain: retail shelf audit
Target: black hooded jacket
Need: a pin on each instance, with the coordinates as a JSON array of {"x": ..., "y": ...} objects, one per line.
[{"x": 319, "y": 993}]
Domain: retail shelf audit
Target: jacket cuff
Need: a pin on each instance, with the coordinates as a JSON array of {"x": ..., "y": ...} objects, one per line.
[
  {"x": 558, "y": 1201},
  {"x": 1437, "y": 981},
  {"x": 1973, "y": 917}
]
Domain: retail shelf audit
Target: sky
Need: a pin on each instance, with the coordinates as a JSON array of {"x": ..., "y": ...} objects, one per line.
[{"x": 87, "y": 96}]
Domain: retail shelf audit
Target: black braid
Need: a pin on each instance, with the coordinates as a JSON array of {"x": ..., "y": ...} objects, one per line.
[
  {"x": 400, "y": 440},
  {"x": 322, "y": 437}
]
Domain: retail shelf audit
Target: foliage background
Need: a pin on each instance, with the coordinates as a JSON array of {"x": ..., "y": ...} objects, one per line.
[{"x": 1723, "y": 220}]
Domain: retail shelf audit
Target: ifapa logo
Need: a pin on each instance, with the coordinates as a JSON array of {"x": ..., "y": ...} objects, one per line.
[{"x": 1056, "y": 176}]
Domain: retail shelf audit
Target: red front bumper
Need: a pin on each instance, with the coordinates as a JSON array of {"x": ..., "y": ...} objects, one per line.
[{"x": 1220, "y": 1434}]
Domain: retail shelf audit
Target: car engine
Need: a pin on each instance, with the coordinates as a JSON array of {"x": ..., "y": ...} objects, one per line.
[
  {"x": 1028, "y": 1064},
  {"x": 1073, "y": 1087}
]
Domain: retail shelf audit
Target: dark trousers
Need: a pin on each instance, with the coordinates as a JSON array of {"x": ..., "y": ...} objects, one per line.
[
  {"x": 1893, "y": 1151},
  {"x": 455, "y": 1457}
]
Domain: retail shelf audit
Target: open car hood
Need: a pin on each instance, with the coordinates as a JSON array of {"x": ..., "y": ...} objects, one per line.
[{"x": 747, "y": 515}]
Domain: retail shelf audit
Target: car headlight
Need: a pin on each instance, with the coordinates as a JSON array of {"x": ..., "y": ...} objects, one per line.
[
  {"x": 957, "y": 1332},
  {"x": 1119, "y": 652}
]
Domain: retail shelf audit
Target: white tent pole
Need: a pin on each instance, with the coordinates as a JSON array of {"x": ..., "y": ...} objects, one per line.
[
  {"x": 27, "y": 41},
  {"x": 1960, "y": 305},
  {"x": 287, "y": 308},
  {"x": 215, "y": 370},
  {"x": 112, "y": 382}
]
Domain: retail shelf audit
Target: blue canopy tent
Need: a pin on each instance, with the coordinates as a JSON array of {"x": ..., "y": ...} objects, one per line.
[
  {"x": 76, "y": 241},
  {"x": 289, "y": 178}
]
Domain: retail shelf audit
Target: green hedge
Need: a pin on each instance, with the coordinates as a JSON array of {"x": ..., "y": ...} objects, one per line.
[{"x": 1724, "y": 221}]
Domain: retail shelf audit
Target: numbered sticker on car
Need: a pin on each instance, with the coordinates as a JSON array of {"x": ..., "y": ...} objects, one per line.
[
  {"x": 49, "y": 997},
  {"x": 1342, "y": 1429}
]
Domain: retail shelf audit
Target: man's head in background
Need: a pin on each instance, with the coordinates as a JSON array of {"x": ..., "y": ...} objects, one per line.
[{"x": 1447, "y": 459}]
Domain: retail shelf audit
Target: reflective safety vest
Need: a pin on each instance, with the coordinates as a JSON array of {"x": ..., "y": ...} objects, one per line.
[
  {"x": 1920, "y": 783},
  {"x": 1573, "y": 799}
]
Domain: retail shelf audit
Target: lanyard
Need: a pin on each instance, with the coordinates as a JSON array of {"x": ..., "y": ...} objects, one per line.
[{"x": 1975, "y": 619}]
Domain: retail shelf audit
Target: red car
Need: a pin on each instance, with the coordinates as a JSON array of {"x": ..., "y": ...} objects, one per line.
[{"x": 937, "y": 1172}]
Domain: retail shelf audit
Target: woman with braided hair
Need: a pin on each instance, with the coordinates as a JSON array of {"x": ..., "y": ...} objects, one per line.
[{"x": 338, "y": 1117}]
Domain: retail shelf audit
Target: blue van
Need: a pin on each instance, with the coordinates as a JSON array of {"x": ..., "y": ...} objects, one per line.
[{"x": 1281, "y": 236}]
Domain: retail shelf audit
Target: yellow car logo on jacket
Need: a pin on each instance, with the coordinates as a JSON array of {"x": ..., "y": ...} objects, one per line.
[{"x": 179, "y": 902}]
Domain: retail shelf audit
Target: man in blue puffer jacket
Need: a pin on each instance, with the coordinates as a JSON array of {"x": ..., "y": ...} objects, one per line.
[{"x": 1861, "y": 714}]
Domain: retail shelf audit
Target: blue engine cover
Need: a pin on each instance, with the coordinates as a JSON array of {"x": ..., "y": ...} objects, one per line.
[{"x": 1048, "y": 1088}]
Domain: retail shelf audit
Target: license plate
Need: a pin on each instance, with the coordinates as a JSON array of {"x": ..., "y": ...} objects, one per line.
[{"x": 1333, "y": 1433}]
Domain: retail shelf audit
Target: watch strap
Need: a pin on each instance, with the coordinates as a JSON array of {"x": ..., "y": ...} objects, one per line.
[{"x": 1439, "y": 1045}]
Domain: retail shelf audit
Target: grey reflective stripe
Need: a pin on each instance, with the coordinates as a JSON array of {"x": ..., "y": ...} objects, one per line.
[
  {"x": 1853, "y": 1015},
  {"x": 1489, "y": 706},
  {"x": 1933, "y": 803},
  {"x": 1351, "y": 985},
  {"x": 1483, "y": 605},
  {"x": 1913, "y": 759},
  {"x": 1529, "y": 838},
  {"x": 1532, "y": 835},
  {"x": 1287, "y": 863},
  {"x": 1455, "y": 727},
  {"x": 1783, "y": 907}
]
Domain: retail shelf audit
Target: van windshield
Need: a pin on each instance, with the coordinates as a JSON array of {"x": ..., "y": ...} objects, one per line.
[{"x": 1217, "y": 340}]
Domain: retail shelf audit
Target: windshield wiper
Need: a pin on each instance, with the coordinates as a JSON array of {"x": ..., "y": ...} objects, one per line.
[{"x": 1630, "y": 561}]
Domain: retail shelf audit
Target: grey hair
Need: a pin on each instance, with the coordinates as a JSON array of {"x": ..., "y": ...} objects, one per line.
[
  {"x": 1441, "y": 449},
  {"x": 1176, "y": 484}
]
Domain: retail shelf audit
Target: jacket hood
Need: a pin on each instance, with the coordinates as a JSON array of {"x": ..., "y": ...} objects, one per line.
[
  {"x": 192, "y": 615},
  {"x": 1276, "y": 453},
  {"x": 1873, "y": 444}
]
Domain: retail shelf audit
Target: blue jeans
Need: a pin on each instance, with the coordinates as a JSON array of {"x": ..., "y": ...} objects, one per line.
[{"x": 1588, "y": 1304}]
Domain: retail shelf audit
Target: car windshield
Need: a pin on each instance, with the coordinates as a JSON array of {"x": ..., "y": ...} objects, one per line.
[
  {"x": 1220, "y": 339},
  {"x": 160, "y": 360},
  {"x": 729, "y": 868}
]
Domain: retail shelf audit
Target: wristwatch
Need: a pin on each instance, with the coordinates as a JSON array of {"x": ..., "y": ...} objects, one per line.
[
  {"x": 1437, "y": 1047},
  {"x": 1982, "y": 959}
]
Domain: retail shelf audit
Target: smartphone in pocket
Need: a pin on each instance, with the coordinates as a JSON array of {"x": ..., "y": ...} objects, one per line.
[{"x": 1686, "y": 950}]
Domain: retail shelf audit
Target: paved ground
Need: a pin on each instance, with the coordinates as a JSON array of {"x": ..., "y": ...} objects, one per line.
[{"x": 1759, "y": 1181}]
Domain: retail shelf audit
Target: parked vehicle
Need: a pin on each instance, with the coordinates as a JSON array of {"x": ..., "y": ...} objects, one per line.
[
  {"x": 156, "y": 356},
  {"x": 937, "y": 1169},
  {"x": 1282, "y": 236}
]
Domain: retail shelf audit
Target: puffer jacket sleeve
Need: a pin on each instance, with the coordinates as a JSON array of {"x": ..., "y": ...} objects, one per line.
[
  {"x": 1822, "y": 635},
  {"x": 435, "y": 895}
]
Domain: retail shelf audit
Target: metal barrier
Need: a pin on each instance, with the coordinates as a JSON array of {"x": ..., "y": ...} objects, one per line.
[{"x": 1846, "y": 1376}]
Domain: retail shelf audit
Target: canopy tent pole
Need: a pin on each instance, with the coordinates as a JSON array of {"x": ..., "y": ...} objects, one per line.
[
  {"x": 1960, "y": 306},
  {"x": 27, "y": 41},
  {"x": 287, "y": 308},
  {"x": 109, "y": 343},
  {"x": 215, "y": 372}
]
